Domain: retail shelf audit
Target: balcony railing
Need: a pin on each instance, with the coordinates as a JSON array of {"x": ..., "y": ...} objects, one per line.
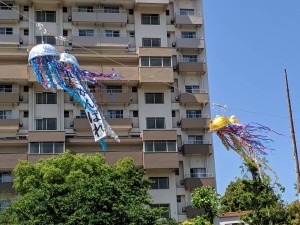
[
  {"x": 99, "y": 10},
  {"x": 196, "y": 59},
  {"x": 197, "y": 91},
  {"x": 199, "y": 175},
  {"x": 189, "y": 13},
  {"x": 199, "y": 142},
  {"x": 196, "y": 115},
  {"x": 191, "y": 36},
  {"x": 99, "y": 34}
]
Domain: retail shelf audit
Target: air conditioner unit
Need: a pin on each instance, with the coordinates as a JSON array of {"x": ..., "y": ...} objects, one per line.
[
  {"x": 173, "y": 44},
  {"x": 21, "y": 17},
  {"x": 69, "y": 18},
  {"x": 20, "y": 98},
  {"x": 179, "y": 149},
  {"x": 21, "y": 42},
  {"x": 172, "y": 21},
  {"x": 174, "y": 68},
  {"x": 20, "y": 124},
  {"x": 177, "y": 98},
  {"x": 71, "y": 124},
  {"x": 71, "y": 99},
  {"x": 182, "y": 182},
  {"x": 183, "y": 209}
]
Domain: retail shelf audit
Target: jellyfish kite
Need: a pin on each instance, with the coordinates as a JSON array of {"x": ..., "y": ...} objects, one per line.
[
  {"x": 57, "y": 71},
  {"x": 249, "y": 141}
]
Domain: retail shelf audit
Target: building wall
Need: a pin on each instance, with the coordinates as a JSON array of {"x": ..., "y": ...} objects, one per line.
[{"x": 101, "y": 54}]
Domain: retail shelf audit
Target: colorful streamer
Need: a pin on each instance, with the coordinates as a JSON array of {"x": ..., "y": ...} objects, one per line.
[{"x": 52, "y": 69}]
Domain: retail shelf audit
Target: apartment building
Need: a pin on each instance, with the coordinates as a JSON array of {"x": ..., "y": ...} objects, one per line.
[{"x": 160, "y": 109}]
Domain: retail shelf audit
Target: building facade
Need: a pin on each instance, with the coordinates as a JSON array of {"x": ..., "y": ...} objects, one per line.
[{"x": 160, "y": 110}]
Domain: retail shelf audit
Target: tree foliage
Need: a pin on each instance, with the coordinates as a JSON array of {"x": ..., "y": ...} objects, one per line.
[
  {"x": 258, "y": 197},
  {"x": 294, "y": 212},
  {"x": 80, "y": 189}
]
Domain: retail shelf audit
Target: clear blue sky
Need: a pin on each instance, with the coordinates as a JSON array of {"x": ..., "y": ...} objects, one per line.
[{"x": 249, "y": 43}]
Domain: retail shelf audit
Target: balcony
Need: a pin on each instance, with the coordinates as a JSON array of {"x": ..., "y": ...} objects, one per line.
[
  {"x": 159, "y": 135},
  {"x": 9, "y": 40},
  {"x": 195, "y": 123},
  {"x": 46, "y": 136},
  {"x": 197, "y": 148},
  {"x": 9, "y": 97},
  {"x": 100, "y": 16},
  {"x": 6, "y": 187},
  {"x": 155, "y": 51},
  {"x": 100, "y": 40},
  {"x": 195, "y": 180},
  {"x": 188, "y": 20},
  {"x": 193, "y": 98},
  {"x": 193, "y": 212},
  {"x": 9, "y": 161},
  {"x": 13, "y": 72},
  {"x": 161, "y": 160},
  {"x": 146, "y": 4},
  {"x": 124, "y": 98},
  {"x": 115, "y": 123},
  {"x": 8, "y": 15},
  {"x": 191, "y": 65},
  {"x": 156, "y": 75},
  {"x": 113, "y": 157},
  {"x": 9, "y": 125},
  {"x": 189, "y": 43}
]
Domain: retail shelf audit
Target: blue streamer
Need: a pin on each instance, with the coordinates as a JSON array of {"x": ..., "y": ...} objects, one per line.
[
  {"x": 48, "y": 71},
  {"x": 103, "y": 145},
  {"x": 36, "y": 70}
]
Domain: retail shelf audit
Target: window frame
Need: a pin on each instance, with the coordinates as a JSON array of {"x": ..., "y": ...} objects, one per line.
[
  {"x": 192, "y": 89},
  {"x": 3, "y": 204},
  {"x": 111, "y": 9},
  {"x": 5, "y": 88},
  {"x": 158, "y": 98},
  {"x": 193, "y": 113},
  {"x": 149, "y": 19},
  {"x": 46, "y": 39},
  {"x": 85, "y": 8},
  {"x": 114, "y": 114},
  {"x": 188, "y": 34},
  {"x": 187, "y": 11},
  {"x": 112, "y": 33},
  {"x": 6, "y": 31},
  {"x": 114, "y": 89},
  {"x": 44, "y": 16},
  {"x": 148, "y": 61},
  {"x": 157, "y": 183},
  {"x": 45, "y": 122},
  {"x": 202, "y": 172},
  {"x": 5, "y": 114},
  {"x": 86, "y": 33},
  {"x": 151, "y": 40},
  {"x": 40, "y": 146},
  {"x": 153, "y": 146},
  {"x": 195, "y": 139},
  {"x": 155, "y": 122},
  {"x": 6, "y": 177},
  {"x": 45, "y": 98}
]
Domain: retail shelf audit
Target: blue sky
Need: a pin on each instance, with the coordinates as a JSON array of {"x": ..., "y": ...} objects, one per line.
[{"x": 249, "y": 44}]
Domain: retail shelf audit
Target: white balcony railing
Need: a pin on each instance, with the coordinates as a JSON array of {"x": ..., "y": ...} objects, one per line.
[
  {"x": 188, "y": 13},
  {"x": 196, "y": 59},
  {"x": 197, "y": 91},
  {"x": 196, "y": 115},
  {"x": 199, "y": 175},
  {"x": 199, "y": 142},
  {"x": 88, "y": 10},
  {"x": 192, "y": 36}
]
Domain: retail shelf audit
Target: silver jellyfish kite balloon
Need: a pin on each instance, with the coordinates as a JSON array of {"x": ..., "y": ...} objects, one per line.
[{"x": 57, "y": 71}]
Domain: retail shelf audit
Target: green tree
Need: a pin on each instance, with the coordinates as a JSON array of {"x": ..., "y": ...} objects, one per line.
[
  {"x": 294, "y": 212},
  {"x": 208, "y": 199},
  {"x": 258, "y": 196},
  {"x": 80, "y": 189}
]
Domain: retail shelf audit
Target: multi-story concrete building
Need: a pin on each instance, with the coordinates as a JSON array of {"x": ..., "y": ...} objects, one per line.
[{"x": 161, "y": 112}]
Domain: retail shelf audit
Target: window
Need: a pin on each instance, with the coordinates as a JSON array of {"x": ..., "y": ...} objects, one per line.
[
  {"x": 112, "y": 33},
  {"x": 155, "y": 123},
  {"x": 3, "y": 204},
  {"x": 151, "y": 42},
  {"x": 198, "y": 172},
  {"x": 178, "y": 198},
  {"x": 46, "y": 124},
  {"x": 46, "y": 147},
  {"x": 65, "y": 33},
  {"x": 113, "y": 114},
  {"x": 187, "y": 12},
  {"x": 135, "y": 113},
  {"x": 154, "y": 98},
  {"x": 66, "y": 113},
  {"x": 193, "y": 113},
  {"x": 111, "y": 9},
  {"x": 65, "y": 9},
  {"x": 150, "y": 19},
  {"x": 46, "y": 39},
  {"x": 85, "y": 9},
  {"x": 114, "y": 89},
  {"x": 160, "y": 182},
  {"x": 173, "y": 113},
  {"x": 156, "y": 61},
  {"x": 26, "y": 8},
  {"x": 172, "y": 89},
  {"x": 82, "y": 114},
  {"x": 192, "y": 89},
  {"x": 5, "y": 177},
  {"x": 86, "y": 33},
  {"x": 26, "y": 32},
  {"x": 6, "y": 6},
  {"x": 160, "y": 146},
  {"x": 25, "y": 88},
  {"x": 195, "y": 139},
  {"x": 168, "y": 35},
  {"x": 165, "y": 207},
  {"x": 5, "y": 88},
  {"x": 45, "y": 98},
  {"x": 167, "y": 12},
  {"x": 46, "y": 16},
  {"x": 134, "y": 89},
  {"x": 132, "y": 34},
  {"x": 25, "y": 114},
  {"x": 6, "y": 30},
  {"x": 186, "y": 34},
  {"x": 189, "y": 58},
  {"x": 5, "y": 114}
]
